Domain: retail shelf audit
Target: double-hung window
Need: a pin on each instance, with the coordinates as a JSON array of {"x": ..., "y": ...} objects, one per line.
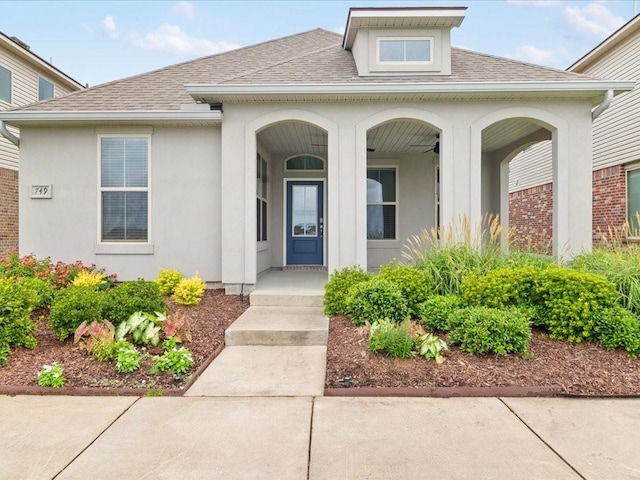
[
  {"x": 381, "y": 203},
  {"x": 124, "y": 188},
  {"x": 5, "y": 84},
  {"x": 633, "y": 202}
]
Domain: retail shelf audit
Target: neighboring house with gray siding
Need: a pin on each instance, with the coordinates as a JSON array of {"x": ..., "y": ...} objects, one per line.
[
  {"x": 315, "y": 150},
  {"x": 616, "y": 151},
  {"x": 25, "y": 78}
]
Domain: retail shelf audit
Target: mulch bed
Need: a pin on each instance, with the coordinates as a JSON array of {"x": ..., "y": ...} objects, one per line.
[
  {"x": 208, "y": 322},
  {"x": 571, "y": 369}
]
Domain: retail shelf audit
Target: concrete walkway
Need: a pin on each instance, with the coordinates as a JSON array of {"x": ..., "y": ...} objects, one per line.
[{"x": 318, "y": 438}]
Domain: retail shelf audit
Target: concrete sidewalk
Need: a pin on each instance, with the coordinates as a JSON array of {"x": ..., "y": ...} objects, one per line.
[{"x": 318, "y": 438}]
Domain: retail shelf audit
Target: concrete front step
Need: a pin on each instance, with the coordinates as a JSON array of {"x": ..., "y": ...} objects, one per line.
[
  {"x": 284, "y": 326},
  {"x": 274, "y": 298},
  {"x": 264, "y": 371}
]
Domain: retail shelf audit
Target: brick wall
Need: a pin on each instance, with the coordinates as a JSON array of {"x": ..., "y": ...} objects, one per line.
[
  {"x": 609, "y": 202},
  {"x": 8, "y": 211},
  {"x": 531, "y": 217},
  {"x": 531, "y": 211}
]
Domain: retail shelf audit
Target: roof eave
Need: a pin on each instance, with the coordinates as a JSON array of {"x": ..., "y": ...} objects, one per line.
[
  {"x": 217, "y": 92},
  {"x": 18, "y": 118}
]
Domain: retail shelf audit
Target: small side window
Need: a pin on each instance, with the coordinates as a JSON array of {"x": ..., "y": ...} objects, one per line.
[
  {"x": 5, "y": 85},
  {"x": 45, "y": 89}
]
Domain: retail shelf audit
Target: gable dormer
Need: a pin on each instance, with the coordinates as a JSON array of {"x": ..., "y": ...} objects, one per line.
[{"x": 402, "y": 41}]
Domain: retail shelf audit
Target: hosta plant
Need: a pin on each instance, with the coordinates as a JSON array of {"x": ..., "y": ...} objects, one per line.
[
  {"x": 144, "y": 328},
  {"x": 431, "y": 347},
  {"x": 51, "y": 376}
]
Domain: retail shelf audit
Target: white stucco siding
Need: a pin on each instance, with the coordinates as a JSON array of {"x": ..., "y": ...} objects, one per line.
[{"x": 184, "y": 200}]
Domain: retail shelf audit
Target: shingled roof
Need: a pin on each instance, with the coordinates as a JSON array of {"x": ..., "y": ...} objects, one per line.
[{"x": 313, "y": 57}]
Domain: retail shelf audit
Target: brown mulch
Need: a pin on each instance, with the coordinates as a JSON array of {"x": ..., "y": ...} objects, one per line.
[
  {"x": 208, "y": 322},
  {"x": 578, "y": 369}
]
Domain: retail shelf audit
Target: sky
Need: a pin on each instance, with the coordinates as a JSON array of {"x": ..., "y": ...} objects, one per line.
[{"x": 96, "y": 42}]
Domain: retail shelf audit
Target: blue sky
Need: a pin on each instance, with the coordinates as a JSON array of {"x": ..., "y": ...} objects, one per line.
[{"x": 96, "y": 42}]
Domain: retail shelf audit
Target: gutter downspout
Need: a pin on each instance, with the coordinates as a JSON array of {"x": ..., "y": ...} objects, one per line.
[
  {"x": 606, "y": 102},
  {"x": 8, "y": 135}
]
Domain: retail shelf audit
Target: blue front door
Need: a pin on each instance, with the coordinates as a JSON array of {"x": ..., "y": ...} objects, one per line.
[{"x": 305, "y": 222}]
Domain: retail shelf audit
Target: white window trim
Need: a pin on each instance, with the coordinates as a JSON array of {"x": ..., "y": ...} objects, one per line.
[
  {"x": 396, "y": 203},
  {"x": 124, "y": 247},
  {"x": 264, "y": 244},
  {"x": 627, "y": 170},
  {"x": 53, "y": 85},
  {"x": 11, "y": 72},
  {"x": 324, "y": 163},
  {"x": 430, "y": 38}
]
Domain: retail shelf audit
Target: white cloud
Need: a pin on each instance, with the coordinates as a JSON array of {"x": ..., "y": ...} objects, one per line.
[
  {"x": 172, "y": 39},
  {"x": 536, "y": 3},
  {"x": 594, "y": 19},
  {"x": 186, "y": 9},
  {"x": 556, "y": 58},
  {"x": 110, "y": 28}
]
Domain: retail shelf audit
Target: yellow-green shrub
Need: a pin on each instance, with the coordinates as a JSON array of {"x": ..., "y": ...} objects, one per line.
[
  {"x": 85, "y": 278},
  {"x": 189, "y": 291},
  {"x": 167, "y": 280}
]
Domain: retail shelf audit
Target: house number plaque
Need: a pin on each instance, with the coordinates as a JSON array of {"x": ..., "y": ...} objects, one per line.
[{"x": 41, "y": 191}]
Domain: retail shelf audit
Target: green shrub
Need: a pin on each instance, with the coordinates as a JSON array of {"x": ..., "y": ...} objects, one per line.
[
  {"x": 337, "y": 288},
  {"x": 376, "y": 299},
  {"x": 503, "y": 287},
  {"x": 130, "y": 297},
  {"x": 167, "y": 280},
  {"x": 189, "y": 291},
  {"x": 73, "y": 305},
  {"x": 51, "y": 376},
  {"x": 617, "y": 327},
  {"x": 416, "y": 284},
  {"x": 481, "y": 330},
  {"x": 388, "y": 336},
  {"x": 93, "y": 280},
  {"x": 572, "y": 301},
  {"x": 127, "y": 357},
  {"x": 17, "y": 301},
  {"x": 43, "y": 290},
  {"x": 434, "y": 312},
  {"x": 619, "y": 267}
]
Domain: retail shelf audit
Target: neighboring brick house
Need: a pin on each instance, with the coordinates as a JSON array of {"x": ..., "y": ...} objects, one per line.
[
  {"x": 616, "y": 154},
  {"x": 24, "y": 78}
]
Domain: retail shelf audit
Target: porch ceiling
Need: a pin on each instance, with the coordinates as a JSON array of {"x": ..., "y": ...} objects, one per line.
[{"x": 399, "y": 136}]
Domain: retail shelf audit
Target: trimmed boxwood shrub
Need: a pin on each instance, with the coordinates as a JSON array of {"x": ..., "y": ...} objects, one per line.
[
  {"x": 17, "y": 300},
  {"x": 617, "y": 327},
  {"x": 416, "y": 284},
  {"x": 73, "y": 305},
  {"x": 572, "y": 301},
  {"x": 376, "y": 299},
  {"x": 481, "y": 330},
  {"x": 435, "y": 311},
  {"x": 131, "y": 297},
  {"x": 337, "y": 288}
]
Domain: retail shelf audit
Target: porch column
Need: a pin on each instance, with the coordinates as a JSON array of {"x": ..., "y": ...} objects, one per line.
[
  {"x": 460, "y": 177},
  {"x": 572, "y": 186}
]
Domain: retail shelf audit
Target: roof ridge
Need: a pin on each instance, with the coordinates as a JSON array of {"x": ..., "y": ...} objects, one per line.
[
  {"x": 280, "y": 63},
  {"x": 176, "y": 65},
  {"x": 520, "y": 62}
]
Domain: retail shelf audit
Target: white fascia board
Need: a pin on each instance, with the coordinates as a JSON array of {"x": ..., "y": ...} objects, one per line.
[
  {"x": 407, "y": 88},
  {"x": 86, "y": 116}
]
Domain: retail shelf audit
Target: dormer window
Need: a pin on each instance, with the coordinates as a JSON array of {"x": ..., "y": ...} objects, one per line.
[{"x": 414, "y": 50}]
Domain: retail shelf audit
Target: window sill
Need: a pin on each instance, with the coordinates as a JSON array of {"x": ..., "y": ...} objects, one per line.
[
  {"x": 124, "y": 249},
  {"x": 262, "y": 246},
  {"x": 383, "y": 243}
]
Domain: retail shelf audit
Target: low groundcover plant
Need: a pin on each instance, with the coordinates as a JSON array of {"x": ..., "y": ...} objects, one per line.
[{"x": 51, "y": 376}]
